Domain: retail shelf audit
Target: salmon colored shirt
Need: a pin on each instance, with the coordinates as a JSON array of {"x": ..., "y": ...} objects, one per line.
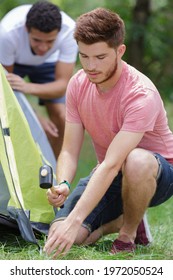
[{"x": 134, "y": 105}]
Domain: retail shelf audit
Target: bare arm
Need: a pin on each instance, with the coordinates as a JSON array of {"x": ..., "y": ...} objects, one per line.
[
  {"x": 9, "y": 68},
  {"x": 116, "y": 154},
  {"x": 68, "y": 159},
  {"x": 67, "y": 162},
  {"x": 53, "y": 89}
]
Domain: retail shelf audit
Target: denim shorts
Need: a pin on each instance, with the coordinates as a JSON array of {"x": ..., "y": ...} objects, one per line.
[
  {"x": 110, "y": 206},
  {"x": 39, "y": 74}
]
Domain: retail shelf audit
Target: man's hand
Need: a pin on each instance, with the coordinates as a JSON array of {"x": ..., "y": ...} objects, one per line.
[
  {"x": 18, "y": 83},
  {"x": 48, "y": 126},
  {"x": 62, "y": 235},
  {"x": 57, "y": 195}
]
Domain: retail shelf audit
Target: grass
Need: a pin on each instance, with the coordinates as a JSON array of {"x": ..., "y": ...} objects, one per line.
[{"x": 13, "y": 247}]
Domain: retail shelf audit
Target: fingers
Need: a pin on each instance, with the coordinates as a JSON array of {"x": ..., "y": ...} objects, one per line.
[
  {"x": 17, "y": 83},
  {"x": 55, "y": 199},
  {"x": 62, "y": 250},
  {"x": 11, "y": 76},
  {"x": 14, "y": 79},
  {"x": 53, "y": 127},
  {"x": 61, "y": 237},
  {"x": 57, "y": 195},
  {"x": 57, "y": 244},
  {"x": 62, "y": 189},
  {"x": 49, "y": 127},
  {"x": 53, "y": 131}
]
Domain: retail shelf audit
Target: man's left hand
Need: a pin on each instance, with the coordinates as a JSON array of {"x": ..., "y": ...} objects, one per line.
[
  {"x": 18, "y": 83},
  {"x": 62, "y": 235}
]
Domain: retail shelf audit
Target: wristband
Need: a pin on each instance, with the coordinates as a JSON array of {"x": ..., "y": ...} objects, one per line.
[{"x": 67, "y": 183}]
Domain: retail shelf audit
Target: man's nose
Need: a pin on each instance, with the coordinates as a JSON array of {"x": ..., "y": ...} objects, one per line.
[
  {"x": 43, "y": 47},
  {"x": 91, "y": 65}
]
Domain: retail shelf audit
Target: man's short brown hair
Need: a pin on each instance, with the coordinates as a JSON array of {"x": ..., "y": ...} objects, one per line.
[{"x": 100, "y": 25}]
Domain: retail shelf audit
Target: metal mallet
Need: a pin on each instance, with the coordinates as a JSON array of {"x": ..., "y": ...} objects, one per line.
[{"x": 46, "y": 178}]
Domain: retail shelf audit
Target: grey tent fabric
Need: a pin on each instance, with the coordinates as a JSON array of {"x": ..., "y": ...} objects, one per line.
[{"x": 19, "y": 219}]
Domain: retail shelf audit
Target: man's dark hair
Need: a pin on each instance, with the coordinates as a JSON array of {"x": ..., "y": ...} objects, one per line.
[
  {"x": 100, "y": 25},
  {"x": 44, "y": 16}
]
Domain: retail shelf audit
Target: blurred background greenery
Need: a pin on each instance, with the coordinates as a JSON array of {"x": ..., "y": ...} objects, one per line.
[
  {"x": 149, "y": 40},
  {"x": 149, "y": 36}
]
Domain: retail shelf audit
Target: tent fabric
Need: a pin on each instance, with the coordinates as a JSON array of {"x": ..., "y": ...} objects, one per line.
[
  {"x": 24, "y": 148},
  {"x": 37, "y": 131}
]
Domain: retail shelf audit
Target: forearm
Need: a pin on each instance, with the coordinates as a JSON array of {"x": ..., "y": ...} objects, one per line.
[
  {"x": 105, "y": 173},
  {"x": 66, "y": 167},
  {"x": 50, "y": 90},
  {"x": 95, "y": 190}
]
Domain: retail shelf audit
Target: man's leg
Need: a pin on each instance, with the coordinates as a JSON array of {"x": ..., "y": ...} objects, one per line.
[
  {"x": 143, "y": 235},
  {"x": 111, "y": 227},
  {"x": 56, "y": 112},
  {"x": 84, "y": 236},
  {"x": 138, "y": 187},
  {"x": 105, "y": 218}
]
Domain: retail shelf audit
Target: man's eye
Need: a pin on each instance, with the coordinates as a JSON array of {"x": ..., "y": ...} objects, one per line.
[
  {"x": 101, "y": 57},
  {"x": 36, "y": 40}
]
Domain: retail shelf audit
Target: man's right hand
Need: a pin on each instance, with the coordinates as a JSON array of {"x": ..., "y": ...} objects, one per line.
[{"x": 57, "y": 195}]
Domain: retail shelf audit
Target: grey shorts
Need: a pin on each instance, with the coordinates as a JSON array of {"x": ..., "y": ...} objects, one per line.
[
  {"x": 39, "y": 74},
  {"x": 111, "y": 206}
]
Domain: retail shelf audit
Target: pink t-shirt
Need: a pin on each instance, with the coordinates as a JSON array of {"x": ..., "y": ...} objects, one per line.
[{"x": 134, "y": 105}]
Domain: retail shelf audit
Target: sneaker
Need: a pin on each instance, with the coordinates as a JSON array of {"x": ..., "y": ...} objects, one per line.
[
  {"x": 121, "y": 246},
  {"x": 143, "y": 236}
]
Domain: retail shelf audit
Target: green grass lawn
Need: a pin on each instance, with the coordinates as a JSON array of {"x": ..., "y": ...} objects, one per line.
[{"x": 160, "y": 218}]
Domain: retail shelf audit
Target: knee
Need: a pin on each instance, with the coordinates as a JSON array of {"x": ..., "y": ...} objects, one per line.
[{"x": 140, "y": 164}]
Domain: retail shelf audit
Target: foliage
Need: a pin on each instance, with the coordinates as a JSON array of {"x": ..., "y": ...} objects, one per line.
[
  {"x": 156, "y": 50},
  {"x": 6, "y": 6},
  {"x": 157, "y": 64},
  {"x": 158, "y": 54}
]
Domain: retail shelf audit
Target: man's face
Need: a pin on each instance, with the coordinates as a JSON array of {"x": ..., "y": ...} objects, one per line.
[
  {"x": 41, "y": 42},
  {"x": 99, "y": 61}
]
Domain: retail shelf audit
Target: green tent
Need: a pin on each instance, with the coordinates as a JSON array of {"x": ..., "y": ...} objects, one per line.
[{"x": 22, "y": 201}]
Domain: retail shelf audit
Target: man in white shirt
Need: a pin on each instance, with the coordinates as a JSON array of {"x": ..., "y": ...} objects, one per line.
[{"x": 37, "y": 41}]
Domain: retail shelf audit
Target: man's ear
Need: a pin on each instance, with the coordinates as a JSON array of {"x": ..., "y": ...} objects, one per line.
[{"x": 121, "y": 50}]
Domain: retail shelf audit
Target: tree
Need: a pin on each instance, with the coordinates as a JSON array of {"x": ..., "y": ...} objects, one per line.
[{"x": 140, "y": 17}]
